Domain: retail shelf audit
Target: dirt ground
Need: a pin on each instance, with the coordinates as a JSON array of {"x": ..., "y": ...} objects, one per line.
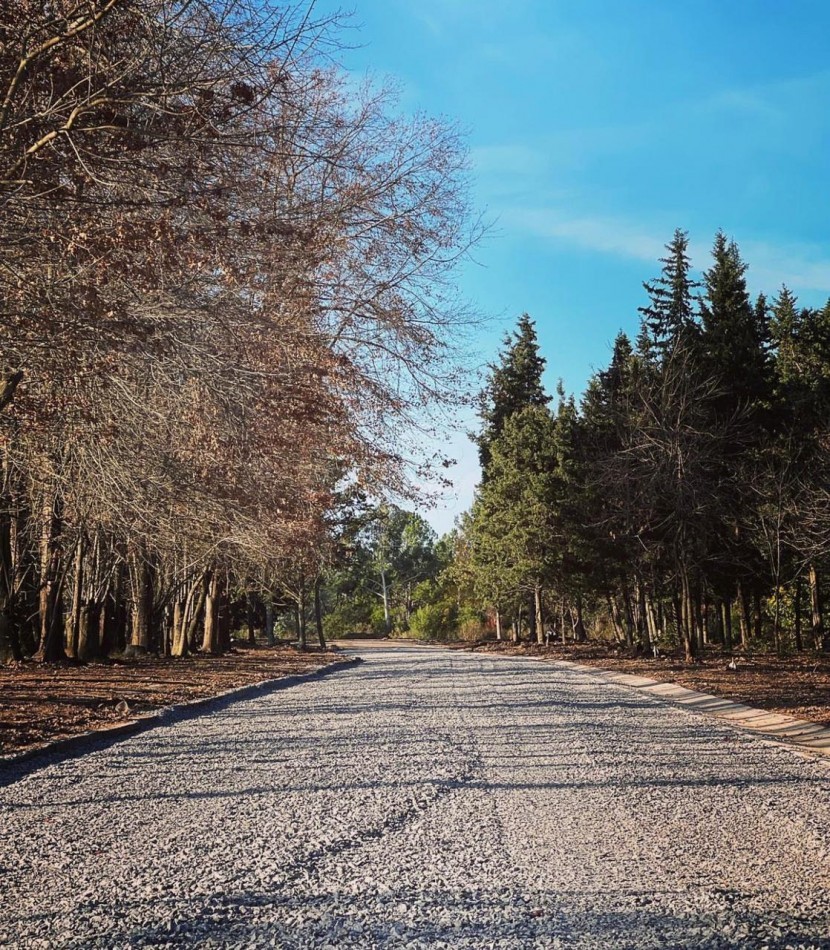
[
  {"x": 39, "y": 703},
  {"x": 794, "y": 685}
]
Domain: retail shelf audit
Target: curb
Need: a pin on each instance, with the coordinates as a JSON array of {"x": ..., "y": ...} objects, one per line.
[
  {"x": 96, "y": 739},
  {"x": 785, "y": 730}
]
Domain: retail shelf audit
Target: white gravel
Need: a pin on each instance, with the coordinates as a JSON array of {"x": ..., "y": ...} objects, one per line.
[{"x": 426, "y": 798}]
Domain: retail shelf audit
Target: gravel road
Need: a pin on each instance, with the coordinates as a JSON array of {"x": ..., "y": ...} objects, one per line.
[{"x": 425, "y": 798}]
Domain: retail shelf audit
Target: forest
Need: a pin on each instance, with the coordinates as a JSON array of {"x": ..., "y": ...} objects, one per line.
[
  {"x": 230, "y": 321},
  {"x": 227, "y": 293},
  {"x": 684, "y": 500}
]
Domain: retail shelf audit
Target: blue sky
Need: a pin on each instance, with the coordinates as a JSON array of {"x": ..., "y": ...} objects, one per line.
[{"x": 596, "y": 127}]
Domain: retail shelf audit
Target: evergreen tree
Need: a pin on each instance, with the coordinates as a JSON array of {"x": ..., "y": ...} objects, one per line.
[
  {"x": 513, "y": 384},
  {"x": 517, "y": 512},
  {"x": 607, "y": 419},
  {"x": 671, "y": 315},
  {"x": 734, "y": 333}
]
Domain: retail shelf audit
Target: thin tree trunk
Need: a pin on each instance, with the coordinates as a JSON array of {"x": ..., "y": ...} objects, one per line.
[
  {"x": 498, "y": 624},
  {"x": 250, "y": 617},
  {"x": 799, "y": 642},
  {"x": 537, "y": 612},
  {"x": 579, "y": 626},
  {"x": 50, "y": 647},
  {"x": 301, "y": 631},
  {"x": 684, "y": 617},
  {"x": 269, "y": 622},
  {"x": 629, "y": 619},
  {"x": 73, "y": 621},
  {"x": 210, "y": 635},
  {"x": 651, "y": 622},
  {"x": 744, "y": 616},
  {"x": 816, "y": 609},
  {"x": 700, "y": 634},
  {"x": 318, "y": 614},
  {"x": 726, "y": 614},
  {"x": 616, "y": 620},
  {"x": 642, "y": 618},
  {"x": 707, "y": 620},
  {"x": 387, "y": 620},
  {"x": 178, "y": 646},
  {"x": 197, "y": 611},
  {"x": 141, "y": 606},
  {"x": 10, "y": 648}
]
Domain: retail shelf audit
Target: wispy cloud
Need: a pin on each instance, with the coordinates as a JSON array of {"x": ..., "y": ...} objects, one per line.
[
  {"x": 606, "y": 235},
  {"x": 515, "y": 159},
  {"x": 802, "y": 267}
]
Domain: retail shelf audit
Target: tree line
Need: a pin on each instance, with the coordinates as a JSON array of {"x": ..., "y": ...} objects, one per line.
[
  {"x": 685, "y": 498},
  {"x": 226, "y": 286}
]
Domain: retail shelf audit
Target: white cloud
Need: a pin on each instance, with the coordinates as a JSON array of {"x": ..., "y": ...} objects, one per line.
[
  {"x": 607, "y": 235},
  {"x": 802, "y": 267}
]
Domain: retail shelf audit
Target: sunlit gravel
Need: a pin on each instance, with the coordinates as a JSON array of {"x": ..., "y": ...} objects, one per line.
[{"x": 425, "y": 798}]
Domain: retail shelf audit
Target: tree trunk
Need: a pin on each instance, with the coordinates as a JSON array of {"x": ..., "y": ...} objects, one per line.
[
  {"x": 211, "y": 633},
  {"x": 707, "y": 635},
  {"x": 387, "y": 620},
  {"x": 700, "y": 633},
  {"x": 301, "y": 631},
  {"x": 318, "y": 614},
  {"x": 537, "y": 614},
  {"x": 269, "y": 622},
  {"x": 579, "y": 626},
  {"x": 651, "y": 622},
  {"x": 73, "y": 620},
  {"x": 816, "y": 609},
  {"x": 683, "y": 617},
  {"x": 776, "y": 618},
  {"x": 629, "y": 619},
  {"x": 178, "y": 645},
  {"x": 799, "y": 641},
  {"x": 250, "y": 617},
  {"x": 50, "y": 647},
  {"x": 616, "y": 620},
  {"x": 194, "y": 618},
  {"x": 745, "y": 617},
  {"x": 9, "y": 638},
  {"x": 498, "y": 624},
  {"x": 642, "y": 619},
  {"x": 726, "y": 614},
  {"x": 141, "y": 606}
]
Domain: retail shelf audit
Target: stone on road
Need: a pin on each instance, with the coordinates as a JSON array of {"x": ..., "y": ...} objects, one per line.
[{"x": 426, "y": 798}]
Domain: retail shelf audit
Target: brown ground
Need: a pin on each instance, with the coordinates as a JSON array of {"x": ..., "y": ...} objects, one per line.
[
  {"x": 795, "y": 685},
  {"x": 39, "y": 703}
]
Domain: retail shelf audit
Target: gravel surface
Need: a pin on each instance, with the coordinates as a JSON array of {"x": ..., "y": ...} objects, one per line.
[{"x": 425, "y": 798}]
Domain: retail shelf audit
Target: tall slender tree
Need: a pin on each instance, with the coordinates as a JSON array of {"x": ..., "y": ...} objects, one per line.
[
  {"x": 671, "y": 314},
  {"x": 513, "y": 384}
]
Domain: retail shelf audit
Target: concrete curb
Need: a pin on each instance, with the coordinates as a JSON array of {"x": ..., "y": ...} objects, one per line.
[
  {"x": 787, "y": 730},
  {"x": 15, "y": 766}
]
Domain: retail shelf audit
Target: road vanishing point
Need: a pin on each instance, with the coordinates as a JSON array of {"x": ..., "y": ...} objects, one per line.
[{"x": 423, "y": 798}]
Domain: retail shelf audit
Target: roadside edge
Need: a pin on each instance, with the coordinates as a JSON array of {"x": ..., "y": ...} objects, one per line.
[{"x": 16, "y": 765}]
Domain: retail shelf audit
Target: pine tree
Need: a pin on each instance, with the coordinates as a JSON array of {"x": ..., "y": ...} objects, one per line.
[
  {"x": 513, "y": 384},
  {"x": 671, "y": 316},
  {"x": 516, "y": 512},
  {"x": 734, "y": 333}
]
